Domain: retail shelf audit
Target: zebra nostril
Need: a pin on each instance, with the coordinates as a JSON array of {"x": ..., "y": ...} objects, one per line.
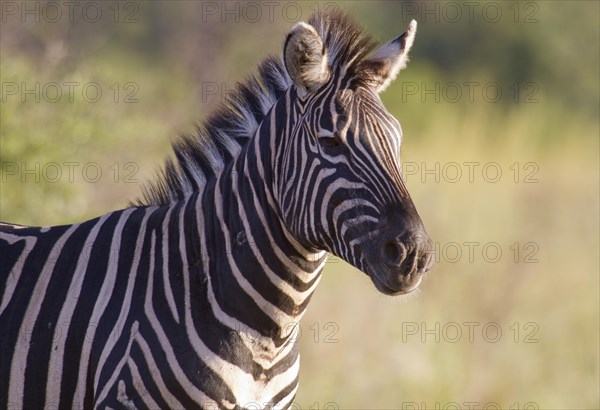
[{"x": 394, "y": 253}]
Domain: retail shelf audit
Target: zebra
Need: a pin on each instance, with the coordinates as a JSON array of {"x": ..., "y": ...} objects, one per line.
[{"x": 185, "y": 298}]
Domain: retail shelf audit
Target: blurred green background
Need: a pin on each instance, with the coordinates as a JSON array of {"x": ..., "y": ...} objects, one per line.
[{"x": 507, "y": 184}]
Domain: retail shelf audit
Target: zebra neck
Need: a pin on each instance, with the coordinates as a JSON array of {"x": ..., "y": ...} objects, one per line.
[{"x": 262, "y": 278}]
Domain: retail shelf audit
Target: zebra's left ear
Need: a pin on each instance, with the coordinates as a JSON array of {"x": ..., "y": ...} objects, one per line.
[
  {"x": 305, "y": 57},
  {"x": 382, "y": 67}
]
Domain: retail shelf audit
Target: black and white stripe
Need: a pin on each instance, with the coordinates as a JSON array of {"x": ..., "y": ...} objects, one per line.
[{"x": 187, "y": 298}]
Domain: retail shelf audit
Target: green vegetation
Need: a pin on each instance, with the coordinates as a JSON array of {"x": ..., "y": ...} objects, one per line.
[{"x": 361, "y": 349}]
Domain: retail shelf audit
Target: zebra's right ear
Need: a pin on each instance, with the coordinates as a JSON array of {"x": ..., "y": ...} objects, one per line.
[{"x": 305, "y": 57}]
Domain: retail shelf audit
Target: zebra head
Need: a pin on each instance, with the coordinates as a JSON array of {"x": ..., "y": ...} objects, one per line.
[{"x": 341, "y": 187}]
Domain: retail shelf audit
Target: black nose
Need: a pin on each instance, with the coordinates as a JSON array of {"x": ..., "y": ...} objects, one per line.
[{"x": 412, "y": 249}]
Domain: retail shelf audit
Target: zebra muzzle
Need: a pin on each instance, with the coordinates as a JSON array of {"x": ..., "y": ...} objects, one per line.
[{"x": 396, "y": 263}]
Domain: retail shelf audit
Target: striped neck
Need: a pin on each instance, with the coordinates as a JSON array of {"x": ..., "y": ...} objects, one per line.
[{"x": 262, "y": 278}]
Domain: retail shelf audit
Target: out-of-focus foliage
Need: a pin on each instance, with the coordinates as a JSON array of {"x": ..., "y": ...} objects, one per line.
[
  {"x": 544, "y": 57},
  {"x": 550, "y": 42}
]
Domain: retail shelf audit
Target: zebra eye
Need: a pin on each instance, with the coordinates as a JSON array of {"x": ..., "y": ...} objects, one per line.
[{"x": 328, "y": 139}]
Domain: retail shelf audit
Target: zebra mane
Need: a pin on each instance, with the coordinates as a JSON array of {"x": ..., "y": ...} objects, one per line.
[{"x": 203, "y": 155}]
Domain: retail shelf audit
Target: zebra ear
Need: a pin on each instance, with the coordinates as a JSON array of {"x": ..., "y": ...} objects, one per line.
[
  {"x": 382, "y": 67},
  {"x": 305, "y": 57}
]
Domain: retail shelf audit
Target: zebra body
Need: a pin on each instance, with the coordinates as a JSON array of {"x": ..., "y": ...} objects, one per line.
[
  {"x": 173, "y": 315},
  {"x": 188, "y": 299},
  {"x": 178, "y": 309}
]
